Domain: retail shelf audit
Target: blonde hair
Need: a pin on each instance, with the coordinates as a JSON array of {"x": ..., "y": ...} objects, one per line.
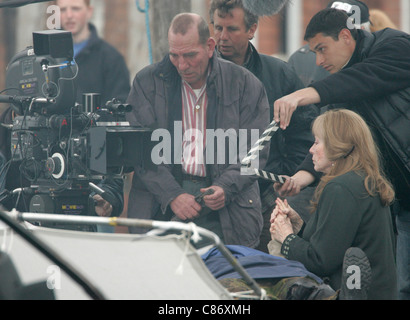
[
  {"x": 350, "y": 146},
  {"x": 379, "y": 20}
]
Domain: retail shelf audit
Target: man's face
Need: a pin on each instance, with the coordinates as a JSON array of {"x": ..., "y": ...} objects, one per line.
[
  {"x": 189, "y": 57},
  {"x": 332, "y": 55},
  {"x": 75, "y": 15},
  {"x": 231, "y": 34}
]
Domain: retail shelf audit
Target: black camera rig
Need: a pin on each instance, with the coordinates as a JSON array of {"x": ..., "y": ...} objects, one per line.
[{"x": 64, "y": 146}]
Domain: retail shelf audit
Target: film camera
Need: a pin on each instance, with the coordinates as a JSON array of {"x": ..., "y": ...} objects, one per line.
[{"x": 63, "y": 146}]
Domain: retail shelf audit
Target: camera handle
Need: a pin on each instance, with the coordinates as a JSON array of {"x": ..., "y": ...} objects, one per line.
[{"x": 20, "y": 100}]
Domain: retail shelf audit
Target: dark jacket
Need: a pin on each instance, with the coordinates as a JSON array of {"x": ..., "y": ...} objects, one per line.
[
  {"x": 347, "y": 216},
  {"x": 102, "y": 70},
  {"x": 376, "y": 84},
  {"x": 236, "y": 100},
  {"x": 288, "y": 147}
]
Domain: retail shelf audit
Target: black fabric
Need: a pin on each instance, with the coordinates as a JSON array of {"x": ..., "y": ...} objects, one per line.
[
  {"x": 377, "y": 80},
  {"x": 102, "y": 70},
  {"x": 347, "y": 216}
]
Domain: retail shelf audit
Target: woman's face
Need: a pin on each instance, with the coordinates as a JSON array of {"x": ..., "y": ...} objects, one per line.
[{"x": 320, "y": 161}]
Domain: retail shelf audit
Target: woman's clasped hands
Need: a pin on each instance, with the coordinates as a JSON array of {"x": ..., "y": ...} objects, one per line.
[{"x": 284, "y": 221}]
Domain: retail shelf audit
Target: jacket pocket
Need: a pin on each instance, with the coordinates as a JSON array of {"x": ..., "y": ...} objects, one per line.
[{"x": 246, "y": 217}]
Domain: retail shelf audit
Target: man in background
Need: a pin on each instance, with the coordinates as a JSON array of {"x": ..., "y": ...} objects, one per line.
[
  {"x": 102, "y": 68},
  {"x": 234, "y": 27},
  {"x": 303, "y": 61}
]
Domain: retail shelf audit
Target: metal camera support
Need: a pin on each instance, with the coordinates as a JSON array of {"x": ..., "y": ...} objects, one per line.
[
  {"x": 9, "y": 218},
  {"x": 149, "y": 224}
]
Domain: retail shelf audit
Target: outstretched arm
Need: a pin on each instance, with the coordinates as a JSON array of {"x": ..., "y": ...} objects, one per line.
[{"x": 284, "y": 107}]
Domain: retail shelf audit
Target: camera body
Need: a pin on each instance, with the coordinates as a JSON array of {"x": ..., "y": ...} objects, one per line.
[
  {"x": 78, "y": 146},
  {"x": 61, "y": 145}
]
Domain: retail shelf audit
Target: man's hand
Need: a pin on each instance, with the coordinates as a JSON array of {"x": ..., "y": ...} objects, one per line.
[
  {"x": 289, "y": 188},
  {"x": 284, "y": 107},
  {"x": 294, "y": 184},
  {"x": 185, "y": 207},
  {"x": 216, "y": 200},
  {"x": 103, "y": 208}
]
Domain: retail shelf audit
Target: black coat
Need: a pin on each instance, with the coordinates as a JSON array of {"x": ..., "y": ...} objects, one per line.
[
  {"x": 347, "y": 216},
  {"x": 376, "y": 84},
  {"x": 102, "y": 70}
]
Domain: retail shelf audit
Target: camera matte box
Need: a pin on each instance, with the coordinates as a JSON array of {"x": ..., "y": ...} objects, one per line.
[{"x": 56, "y": 43}]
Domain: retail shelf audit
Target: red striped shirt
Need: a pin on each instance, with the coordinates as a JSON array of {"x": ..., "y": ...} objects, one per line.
[{"x": 194, "y": 104}]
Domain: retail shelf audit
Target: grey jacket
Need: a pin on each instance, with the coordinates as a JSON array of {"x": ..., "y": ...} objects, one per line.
[{"x": 236, "y": 100}]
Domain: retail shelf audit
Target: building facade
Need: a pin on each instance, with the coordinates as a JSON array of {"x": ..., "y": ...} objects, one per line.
[{"x": 141, "y": 36}]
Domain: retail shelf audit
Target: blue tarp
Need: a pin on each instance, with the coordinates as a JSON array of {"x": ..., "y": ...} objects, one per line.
[{"x": 258, "y": 264}]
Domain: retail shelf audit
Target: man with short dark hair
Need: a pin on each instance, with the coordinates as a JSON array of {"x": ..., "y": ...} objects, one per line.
[
  {"x": 370, "y": 74},
  {"x": 193, "y": 91},
  {"x": 234, "y": 27},
  {"x": 303, "y": 60}
]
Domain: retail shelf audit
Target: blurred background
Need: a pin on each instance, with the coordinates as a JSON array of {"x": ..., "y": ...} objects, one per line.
[{"x": 138, "y": 28}]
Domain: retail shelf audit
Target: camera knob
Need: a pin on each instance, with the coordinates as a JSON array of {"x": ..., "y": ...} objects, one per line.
[{"x": 56, "y": 166}]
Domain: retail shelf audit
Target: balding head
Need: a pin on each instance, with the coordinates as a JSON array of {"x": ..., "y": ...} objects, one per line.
[
  {"x": 183, "y": 22},
  {"x": 190, "y": 48}
]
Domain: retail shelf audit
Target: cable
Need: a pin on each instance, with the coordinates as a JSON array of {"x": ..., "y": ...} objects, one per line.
[{"x": 147, "y": 25}]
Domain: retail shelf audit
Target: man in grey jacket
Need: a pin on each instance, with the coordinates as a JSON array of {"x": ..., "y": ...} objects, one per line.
[{"x": 194, "y": 97}]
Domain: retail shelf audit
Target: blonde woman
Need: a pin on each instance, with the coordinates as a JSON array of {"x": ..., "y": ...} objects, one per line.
[
  {"x": 350, "y": 207},
  {"x": 380, "y": 20}
]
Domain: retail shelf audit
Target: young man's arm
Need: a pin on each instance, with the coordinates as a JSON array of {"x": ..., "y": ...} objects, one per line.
[{"x": 286, "y": 106}]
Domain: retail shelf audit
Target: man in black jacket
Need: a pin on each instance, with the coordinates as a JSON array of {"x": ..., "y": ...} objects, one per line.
[
  {"x": 234, "y": 27},
  {"x": 370, "y": 75},
  {"x": 303, "y": 60},
  {"x": 102, "y": 68}
]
